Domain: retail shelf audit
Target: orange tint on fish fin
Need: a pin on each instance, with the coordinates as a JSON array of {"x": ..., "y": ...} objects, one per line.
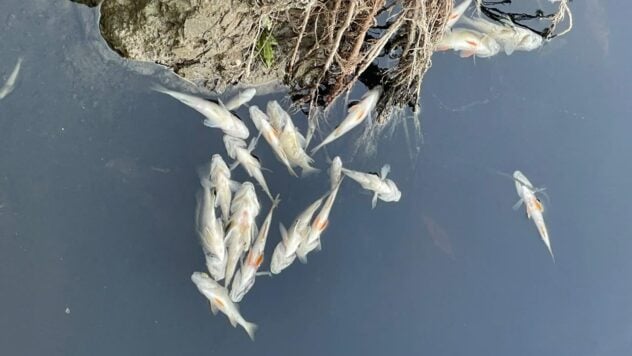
[
  {"x": 259, "y": 261},
  {"x": 466, "y": 54}
]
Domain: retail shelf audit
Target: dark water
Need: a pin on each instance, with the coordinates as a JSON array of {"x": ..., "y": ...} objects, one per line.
[{"x": 97, "y": 186}]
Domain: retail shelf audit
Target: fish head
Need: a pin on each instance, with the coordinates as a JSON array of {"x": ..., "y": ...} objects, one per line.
[
  {"x": 238, "y": 129},
  {"x": 232, "y": 144},
  {"x": 216, "y": 266},
  {"x": 280, "y": 260},
  {"x": 335, "y": 171},
  {"x": 204, "y": 282},
  {"x": 278, "y": 116},
  {"x": 530, "y": 41},
  {"x": 218, "y": 164},
  {"x": 394, "y": 193}
]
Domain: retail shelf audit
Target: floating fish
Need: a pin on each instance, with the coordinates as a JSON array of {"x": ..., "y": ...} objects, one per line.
[
  {"x": 383, "y": 188},
  {"x": 240, "y": 99},
  {"x": 242, "y": 227},
  {"x": 9, "y": 85},
  {"x": 457, "y": 12},
  {"x": 335, "y": 171},
  {"x": 219, "y": 175},
  {"x": 285, "y": 252},
  {"x": 509, "y": 36},
  {"x": 278, "y": 116},
  {"x": 245, "y": 276},
  {"x": 311, "y": 241},
  {"x": 217, "y": 116},
  {"x": 293, "y": 143},
  {"x": 357, "y": 114},
  {"x": 237, "y": 150},
  {"x": 526, "y": 191},
  {"x": 211, "y": 232},
  {"x": 219, "y": 299},
  {"x": 262, "y": 123},
  {"x": 469, "y": 43}
]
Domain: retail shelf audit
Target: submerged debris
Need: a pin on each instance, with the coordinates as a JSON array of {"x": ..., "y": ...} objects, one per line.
[{"x": 12, "y": 79}]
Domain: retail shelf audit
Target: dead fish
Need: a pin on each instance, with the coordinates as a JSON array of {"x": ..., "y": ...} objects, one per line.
[
  {"x": 262, "y": 123},
  {"x": 219, "y": 299},
  {"x": 335, "y": 171},
  {"x": 211, "y": 232},
  {"x": 293, "y": 144},
  {"x": 245, "y": 276},
  {"x": 217, "y": 116},
  {"x": 221, "y": 182},
  {"x": 311, "y": 241},
  {"x": 468, "y": 43},
  {"x": 240, "y": 99},
  {"x": 285, "y": 252},
  {"x": 457, "y": 12},
  {"x": 9, "y": 85},
  {"x": 242, "y": 227},
  {"x": 277, "y": 115},
  {"x": 357, "y": 114},
  {"x": 236, "y": 149},
  {"x": 526, "y": 191},
  {"x": 509, "y": 36},
  {"x": 382, "y": 187}
]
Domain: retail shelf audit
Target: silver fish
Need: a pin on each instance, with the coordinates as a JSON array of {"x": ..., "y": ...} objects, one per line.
[
  {"x": 245, "y": 276},
  {"x": 217, "y": 116},
  {"x": 261, "y": 121},
  {"x": 526, "y": 191},
  {"x": 356, "y": 116},
  {"x": 240, "y": 99},
  {"x": 211, "y": 232},
  {"x": 468, "y": 43},
  {"x": 285, "y": 252},
  {"x": 509, "y": 36},
  {"x": 237, "y": 150},
  {"x": 382, "y": 187},
  {"x": 219, "y": 299}
]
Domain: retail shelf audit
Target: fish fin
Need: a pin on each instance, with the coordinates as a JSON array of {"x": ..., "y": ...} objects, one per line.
[
  {"x": 291, "y": 171},
  {"x": 253, "y": 142},
  {"x": 234, "y": 185},
  {"x": 302, "y": 258},
  {"x": 308, "y": 171},
  {"x": 263, "y": 273},
  {"x": 301, "y": 139},
  {"x": 509, "y": 48},
  {"x": 385, "y": 171},
  {"x": 219, "y": 101},
  {"x": 211, "y": 124},
  {"x": 374, "y": 201},
  {"x": 319, "y": 247},
  {"x": 250, "y": 328},
  {"x": 315, "y": 149},
  {"x": 232, "y": 321},
  {"x": 284, "y": 236},
  {"x": 213, "y": 308},
  {"x": 466, "y": 53},
  {"x": 233, "y": 165},
  {"x": 518, "y": 204}
]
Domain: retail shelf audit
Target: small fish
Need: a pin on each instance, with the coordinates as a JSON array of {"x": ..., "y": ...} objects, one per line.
[
  {"x": 285, "y": 252},
  {"x": 509, "y": 36},
  {"x": 9, "y": 85},
  {"x": 220, "y": 300},
  {"x": 245, "y": 276},
  {"x": 240, "y": 99},
  {"x": 237, "y": 150},
  {"x": 242, "y": 227},
  {"x": 293, "y": 144},
  {"x": 211, "y": 232},
  {"x": 278, "y": 116},
  {"x": 383, "y": 188},
  {"x": 526, "y": 191},
  {"x": 357, "y": 114},
  {"x": 457, "y": 12},
  {"x": 311, "y": 242},
  {"x": 217, "y": 116},
  {"x": 469, "y": 43},
  {"x": 261, "y": 121},
  {"x": 223, "y": 185},
  {"x": 335, "y": 171}
]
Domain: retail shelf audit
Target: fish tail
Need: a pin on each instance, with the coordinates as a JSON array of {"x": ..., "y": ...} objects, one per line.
[
  {"x": 309, "y": 170},
  {"x": 250, "y": 328}
]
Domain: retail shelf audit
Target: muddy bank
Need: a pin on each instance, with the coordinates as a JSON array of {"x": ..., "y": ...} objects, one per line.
[{"x": 205, "y": 42}]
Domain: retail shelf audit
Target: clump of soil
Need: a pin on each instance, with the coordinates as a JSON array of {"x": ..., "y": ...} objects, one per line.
[{"x": 318, "y": 48}]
